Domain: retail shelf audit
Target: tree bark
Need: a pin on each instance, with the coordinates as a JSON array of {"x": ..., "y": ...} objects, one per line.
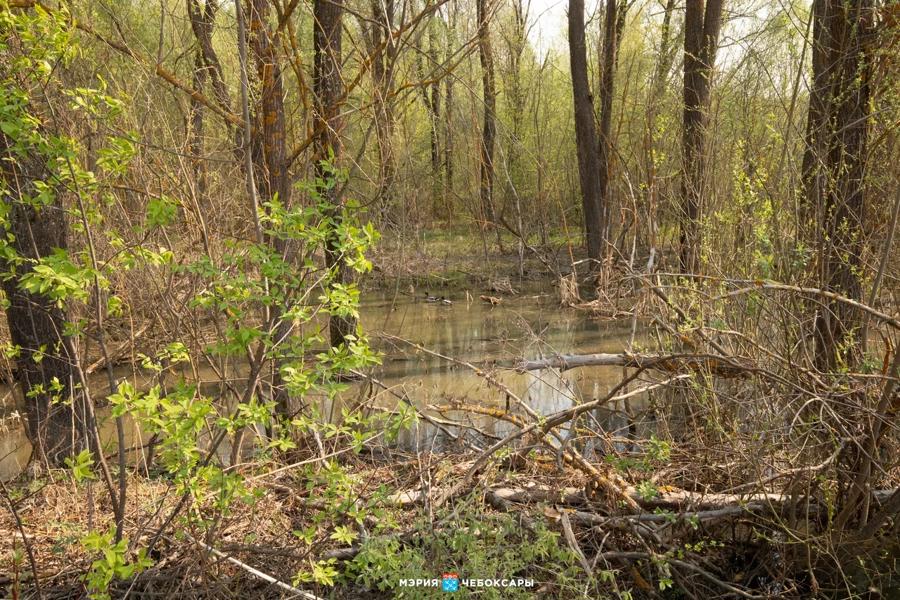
[
  {"x": 195, "y": 130},
  {"x": 489, "y": 126},
  {"x": 202, "y": 23},
  {"x": 45, "y": 367},
  {"x": 701, "y": 40},
  {"x": 206, "y": 68},
  {"x": 665, "y": 58},
  {"x": 435, "y": 92},
  {"x": 834, "y": 165},
  {"x": 448, "y": 110},
  {"x": 585, "y": 134},
  {"x": 382, "y": 75},
  {"x": 269, "y": 150},
  {"x": 328, "y": 90},
  {"x": 611, "y": 34},
  {"x": 431, "y": 98}
]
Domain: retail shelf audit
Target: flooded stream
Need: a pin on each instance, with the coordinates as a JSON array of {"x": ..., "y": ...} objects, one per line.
[{"x": 524, "y": 326}]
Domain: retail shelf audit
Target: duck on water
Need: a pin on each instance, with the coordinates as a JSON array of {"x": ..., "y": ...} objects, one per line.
[{"x": 437, "y": 299}]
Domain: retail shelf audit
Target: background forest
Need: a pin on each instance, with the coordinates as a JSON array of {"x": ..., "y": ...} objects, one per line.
[{"x": 315, "y": 298}]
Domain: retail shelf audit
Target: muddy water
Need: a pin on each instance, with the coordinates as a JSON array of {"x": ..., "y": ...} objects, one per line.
[{"x": 526, "y": 326}]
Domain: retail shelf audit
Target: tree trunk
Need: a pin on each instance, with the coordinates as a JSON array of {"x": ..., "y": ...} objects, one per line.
[
  {"x": 435, "y": 103},
  {"x": 45, "y": 368},
  {"x": 701, "y": 40},
  {"x": 269, "y": 151},
  {"x": 448, "y": 111},
  {"x": 206, "y": 67},
  {"x": 431, "y": 98},
  {"x": 202, "y": 22},
  {"x": 328, "y": 90},
  {"x": 665, "y": 57},
  {"x": 382, "y": 67},
  {"x": 195, "y": 131},
  {"x": 611, "y": 34},
  {"x": 838, "y": 136},
  {"x": 815, "y": 118},
  {"x": 585, "y": 135},
  {"x": 269, "y": 156},
  {"x": 489, "y": 126}
]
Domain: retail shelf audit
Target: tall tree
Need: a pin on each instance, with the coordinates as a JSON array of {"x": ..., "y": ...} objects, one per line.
[
  {"x": 452, "y": 11},
  {"x": 701, "y": 40},
  {"x": 195, "y": 127},
  {"x": 328, "y": 89},
  {"x": 516, "y": 38},
  {"x": 33, "y": 230},
  {"x": 268, "y": 148},
  {"x": 839, "y": 114},
  {"x": 431, "y": 98},
  {"x": 269, "y": 151},
  {"x": 665, "y": 58},
  {"x": 489, "y": 126},
  {"x": 612, "y": 31},
  {"x": 207, "y": 67},
  {"x": 383, "y": 51},
  {"x": 585, "y": 133}
]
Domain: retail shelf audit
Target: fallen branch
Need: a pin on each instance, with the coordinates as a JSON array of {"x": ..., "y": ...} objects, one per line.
[
  {"x": 633, "y": 556},
  {"x": 612, "y": 483},
  {"x": 116, "y": 354},
  {"x": 255, "y": 572},
  {"x": 718, "y": 365},
  {"x": 689, "y": 503}
]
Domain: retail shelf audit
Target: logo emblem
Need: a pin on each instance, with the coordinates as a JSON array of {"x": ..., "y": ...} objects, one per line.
[{"x": 450, "y": 582}]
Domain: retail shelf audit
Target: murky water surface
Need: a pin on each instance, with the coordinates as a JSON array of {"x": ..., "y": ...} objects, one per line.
[{"x": 469, "y": 329}]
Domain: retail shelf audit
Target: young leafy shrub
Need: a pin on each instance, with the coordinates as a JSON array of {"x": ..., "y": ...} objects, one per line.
[{"x": 476, "y": 544}]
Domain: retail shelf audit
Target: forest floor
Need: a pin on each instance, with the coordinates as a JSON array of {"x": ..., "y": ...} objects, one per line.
[
  {"x": 453, "y": 258},
  {"x": 283, "y": 526},
  {"x": 404, "y": 516}
]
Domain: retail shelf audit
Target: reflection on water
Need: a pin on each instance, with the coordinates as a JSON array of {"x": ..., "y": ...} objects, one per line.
[
  {"x": 474, "y": 331},
  {"x": 469, "y": 330}
]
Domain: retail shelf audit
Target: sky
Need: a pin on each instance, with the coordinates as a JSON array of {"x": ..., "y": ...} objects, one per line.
[{"x": 549, "y": 18}]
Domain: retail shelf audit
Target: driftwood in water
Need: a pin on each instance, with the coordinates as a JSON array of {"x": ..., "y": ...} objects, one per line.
[{"x": 718, "y": 365}]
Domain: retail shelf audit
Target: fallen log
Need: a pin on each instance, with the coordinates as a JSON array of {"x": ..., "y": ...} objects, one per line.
[
  {"x": 671, "y": 499},
  {"x": 669, "y": 363}
]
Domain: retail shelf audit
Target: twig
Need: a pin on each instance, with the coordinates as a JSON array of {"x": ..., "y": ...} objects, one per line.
[
  {"x": 25, "y": 542},
  {"x": 771, "y": 285},
  {"x": 720, "y": 365},
  {"x": 255, "y": 572},
  {"x": 573, "y": 543},
  {"x": 549, "y": 423},
  {"x": 632, "y": 556}
]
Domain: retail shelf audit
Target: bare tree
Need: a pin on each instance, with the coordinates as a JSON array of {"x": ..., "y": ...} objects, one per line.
[
  {"x": 612, "y": 31},
  {"x": 489, "y": 126},
  {"x": 430, "y": 89},
  {"x": 269, "y": 152},
  {"x": 838, "y": 124},
  {"x": 664, "y": 60},
  {"x": 585, "y": 133},
  {"x": 452, "y": 11},
  {"x": 701, "y": 40},
  {"x": 383, "y": 52}
]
